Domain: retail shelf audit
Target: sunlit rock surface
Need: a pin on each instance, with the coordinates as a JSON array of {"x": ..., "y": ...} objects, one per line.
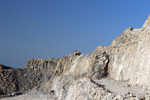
[{"x": 130, "y": 55}]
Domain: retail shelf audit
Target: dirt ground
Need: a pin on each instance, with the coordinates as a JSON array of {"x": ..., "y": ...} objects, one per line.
[{"x": 116, "y": 88}]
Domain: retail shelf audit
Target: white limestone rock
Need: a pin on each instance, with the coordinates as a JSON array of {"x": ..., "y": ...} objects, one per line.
[{"x": 130, "y": 55}]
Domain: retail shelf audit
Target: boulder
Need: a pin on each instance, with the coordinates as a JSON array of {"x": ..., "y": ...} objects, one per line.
[{"x": 77, "y": 52}]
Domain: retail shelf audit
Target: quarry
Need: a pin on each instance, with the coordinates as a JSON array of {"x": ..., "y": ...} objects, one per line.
[{"x": 120, "y": 71}]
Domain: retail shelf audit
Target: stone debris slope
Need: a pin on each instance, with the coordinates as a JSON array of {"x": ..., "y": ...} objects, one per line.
[{"x": 66, "y": 88}]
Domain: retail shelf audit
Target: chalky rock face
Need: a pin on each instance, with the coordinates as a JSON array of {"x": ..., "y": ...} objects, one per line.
[
  {"x": 38, "y": 71},
  {"x": 130, "y": 55},
  {"x": 147, "y": 22},
  {"x": 20, "y": 80},
  {"x": 80, "y": 89},
  {"x": 89, "y": 65}
]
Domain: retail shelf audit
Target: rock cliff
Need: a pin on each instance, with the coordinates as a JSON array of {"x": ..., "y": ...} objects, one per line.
[
  {"x": 130, "y": 55},
  {"x": 80, "y": 77},
  {"x": 38, "y": 71}
]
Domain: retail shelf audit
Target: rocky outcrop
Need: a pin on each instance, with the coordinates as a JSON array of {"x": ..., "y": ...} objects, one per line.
[
  {"x": 130, "y": 55},
  {"x": 77, "y": 52},
  {"x": 90, "y": 65},
  {"x": 20, "y": 80},
  {"x": 38, "y": 71}
]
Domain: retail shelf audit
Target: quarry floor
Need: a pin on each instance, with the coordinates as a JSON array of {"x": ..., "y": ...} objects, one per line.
[{"x": 113, "y": 86}]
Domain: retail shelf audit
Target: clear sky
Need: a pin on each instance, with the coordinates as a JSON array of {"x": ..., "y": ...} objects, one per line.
[{"x": 53, "y": 28}]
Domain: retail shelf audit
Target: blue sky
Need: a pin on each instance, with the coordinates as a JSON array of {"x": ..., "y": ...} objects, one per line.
[{"x": 53, "y": 28}]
